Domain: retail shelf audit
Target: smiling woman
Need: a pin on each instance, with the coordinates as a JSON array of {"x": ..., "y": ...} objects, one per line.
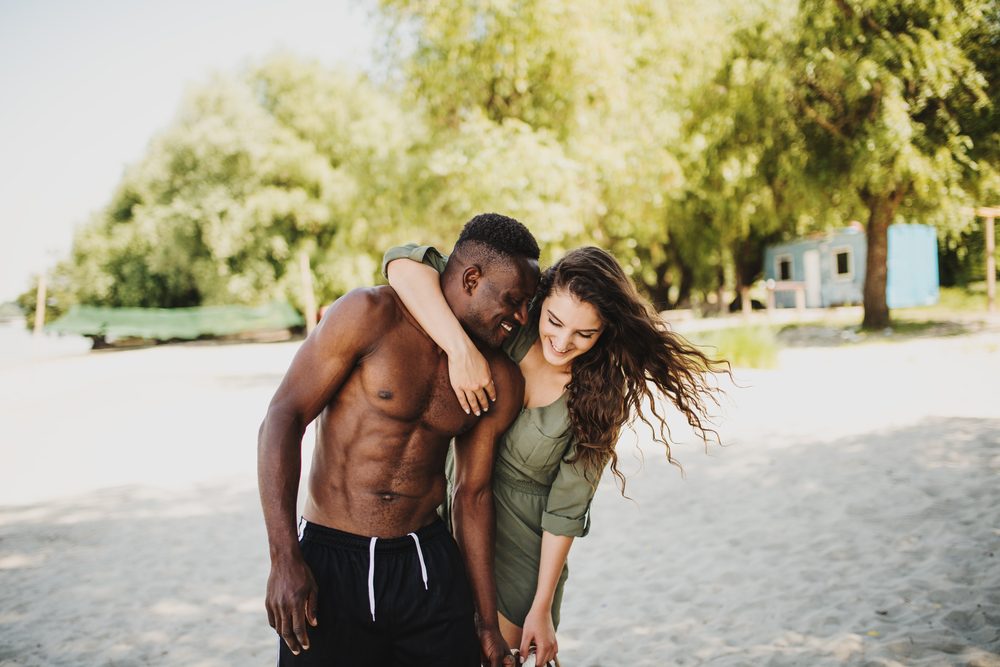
[
  {"x": 590, "y": 352},
  {"x": 568, "y": 327}
]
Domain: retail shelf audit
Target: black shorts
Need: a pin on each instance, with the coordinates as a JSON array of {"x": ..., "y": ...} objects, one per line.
[{"x": 418, "y": 610}]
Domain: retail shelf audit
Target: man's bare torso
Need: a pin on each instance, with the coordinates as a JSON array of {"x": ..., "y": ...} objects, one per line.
[{"x": 381, "y": 442}]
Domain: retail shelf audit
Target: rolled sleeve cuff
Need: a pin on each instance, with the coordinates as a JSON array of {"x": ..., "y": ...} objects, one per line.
[
  {"x": 565, "y": 526},
  {"x": 418, "y": 253}
]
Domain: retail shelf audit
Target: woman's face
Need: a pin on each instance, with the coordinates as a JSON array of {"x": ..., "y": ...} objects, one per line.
[{"x": 567, "y": 327}]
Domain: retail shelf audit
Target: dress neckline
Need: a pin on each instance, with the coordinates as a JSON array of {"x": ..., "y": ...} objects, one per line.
[{"x": 562, "y": 397}]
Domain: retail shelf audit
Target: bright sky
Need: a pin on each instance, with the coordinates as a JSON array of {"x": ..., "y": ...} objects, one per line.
[{"x": 86, "y": 85}]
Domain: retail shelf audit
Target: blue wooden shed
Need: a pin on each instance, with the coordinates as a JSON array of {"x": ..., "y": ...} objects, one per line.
[{"x": 831, "y": 266}]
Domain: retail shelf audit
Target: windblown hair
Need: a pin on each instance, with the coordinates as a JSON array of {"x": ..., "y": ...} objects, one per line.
[
  {"x": 489, "y": 237},
  {"x": 612, "y": 384}
]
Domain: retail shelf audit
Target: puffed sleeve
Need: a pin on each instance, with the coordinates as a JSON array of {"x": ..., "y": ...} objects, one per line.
[
  {"x": 567, "y": 511},
  {"x": 425, "y": 254}
]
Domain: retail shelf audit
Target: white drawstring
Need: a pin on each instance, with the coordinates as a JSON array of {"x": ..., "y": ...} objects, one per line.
[
  {"x": 371, "y": 570},
  {"x": 420, "y": 555},
  {"x": 371, "y": 576}
]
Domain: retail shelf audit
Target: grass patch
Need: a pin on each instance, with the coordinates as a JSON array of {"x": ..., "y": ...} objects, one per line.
[
  {"x": 745, "y": 347},
  {"x": 951, "y": 301}
]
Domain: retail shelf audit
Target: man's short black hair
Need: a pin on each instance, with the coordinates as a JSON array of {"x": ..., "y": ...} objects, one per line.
[{"x": 494, "y": 235}]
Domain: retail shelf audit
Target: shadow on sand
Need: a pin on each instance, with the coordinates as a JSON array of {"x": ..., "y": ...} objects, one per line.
[{"x": 882, "y": 549}]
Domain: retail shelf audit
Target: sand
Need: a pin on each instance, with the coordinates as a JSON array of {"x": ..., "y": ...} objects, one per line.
[{"x": 852, "y": 519}]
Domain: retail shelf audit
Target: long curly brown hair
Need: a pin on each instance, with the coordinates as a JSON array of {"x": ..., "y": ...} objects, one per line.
[{"x": 613, "y": 382}]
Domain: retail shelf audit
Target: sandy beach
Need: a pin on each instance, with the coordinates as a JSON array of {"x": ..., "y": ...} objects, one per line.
[{"x": 853, "y": 517}]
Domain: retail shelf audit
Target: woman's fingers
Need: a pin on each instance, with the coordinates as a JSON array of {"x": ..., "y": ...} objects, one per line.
[
  {"x": 475, "y": 400},
  {"x": 482, "y": 399},
  {"x": 463, "y": 401}
]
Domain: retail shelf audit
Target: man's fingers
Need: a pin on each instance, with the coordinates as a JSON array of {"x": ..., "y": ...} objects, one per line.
[
  {"x": 311, "y": 608},
  {"x": 299, "y": 627},
  {"x": 288, "y": 634},
  {"x": 270, "y": 616}
]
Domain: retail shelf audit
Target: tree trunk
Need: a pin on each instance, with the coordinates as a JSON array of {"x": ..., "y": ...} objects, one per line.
[
  {"x": 685, "y": 286},
  {"x": 881, "y": 210},
  {"x": 659, "y": 294}
]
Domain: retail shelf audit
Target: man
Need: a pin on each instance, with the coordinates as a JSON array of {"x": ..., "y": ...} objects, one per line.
[{"x": 376, "y": 578}]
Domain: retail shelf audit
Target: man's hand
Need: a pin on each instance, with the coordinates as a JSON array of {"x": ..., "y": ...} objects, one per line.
[
  {"x": 291, "y": 601},
  {"x": 496, "y": 653},
  {"x": 470, "y": 377}
]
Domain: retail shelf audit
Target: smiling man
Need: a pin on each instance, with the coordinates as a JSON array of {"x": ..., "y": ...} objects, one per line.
[{"x": 376, "y": 579}]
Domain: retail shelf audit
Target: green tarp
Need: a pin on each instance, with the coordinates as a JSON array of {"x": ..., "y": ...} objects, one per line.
[{"x": 172, "y": 323}]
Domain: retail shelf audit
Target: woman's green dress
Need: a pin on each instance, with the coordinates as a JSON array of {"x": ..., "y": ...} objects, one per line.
[{"x": 534, "y": 488}]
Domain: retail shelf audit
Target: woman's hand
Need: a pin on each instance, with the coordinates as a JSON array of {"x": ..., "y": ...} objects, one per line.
[
  {"x": 470, "y": 379},
  {"x": 539, "y": 631}
]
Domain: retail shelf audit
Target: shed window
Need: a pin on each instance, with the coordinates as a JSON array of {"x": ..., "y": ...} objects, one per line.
[
  {"x": 843, "y": 262},
  {"x": 784, "y": 267}
]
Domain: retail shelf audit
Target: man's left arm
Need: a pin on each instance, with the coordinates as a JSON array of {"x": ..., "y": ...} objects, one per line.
[{"x": 473, "y": 512}]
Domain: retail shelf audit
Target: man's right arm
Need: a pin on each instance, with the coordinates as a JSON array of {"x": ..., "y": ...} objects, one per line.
[{"x": 320, "y": 367}]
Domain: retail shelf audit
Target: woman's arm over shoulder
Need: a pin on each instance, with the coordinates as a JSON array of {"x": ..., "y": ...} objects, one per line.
[
  {"x": 414, "y": 272},
  {"x": 427, "y": 255}
]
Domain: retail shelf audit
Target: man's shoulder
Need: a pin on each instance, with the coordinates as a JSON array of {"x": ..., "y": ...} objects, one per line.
[
  {"x": 377, "y": 298},
  {"x": 364, "y": 308},
  {"x": 502, "y": 366}
]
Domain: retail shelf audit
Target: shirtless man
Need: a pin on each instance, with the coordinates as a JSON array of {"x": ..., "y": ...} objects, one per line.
[{"x": 376, "y": 578}]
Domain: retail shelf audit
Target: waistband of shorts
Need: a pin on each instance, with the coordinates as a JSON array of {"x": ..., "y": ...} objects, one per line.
[
  {"x": 314, "y": 532},
  {"x": 519, "y": 483}
]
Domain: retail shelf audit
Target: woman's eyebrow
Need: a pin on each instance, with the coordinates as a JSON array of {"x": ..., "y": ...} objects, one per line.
[{"x": 553, "y": 315}]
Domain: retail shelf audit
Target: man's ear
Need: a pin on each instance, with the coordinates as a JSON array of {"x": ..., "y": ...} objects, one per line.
[{"x": 471, "y": 278}]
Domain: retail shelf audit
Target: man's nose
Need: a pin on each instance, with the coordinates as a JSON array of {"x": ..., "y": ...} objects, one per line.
[{"x": 521, "y": 315}]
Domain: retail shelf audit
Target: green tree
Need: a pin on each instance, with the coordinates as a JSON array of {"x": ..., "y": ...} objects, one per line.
[
  {"x": 284, "y": 158},
  {"x": 743, "y": 158},
  {"x": 601, "y": 85},
  {"x": 879, "y": 86}
]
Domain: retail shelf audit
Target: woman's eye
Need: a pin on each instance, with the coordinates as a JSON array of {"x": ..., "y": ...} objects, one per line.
[{"x": 555, "y": 324}]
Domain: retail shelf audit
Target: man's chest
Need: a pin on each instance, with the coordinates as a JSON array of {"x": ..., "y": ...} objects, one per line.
[{"x": 407, "y": 380}]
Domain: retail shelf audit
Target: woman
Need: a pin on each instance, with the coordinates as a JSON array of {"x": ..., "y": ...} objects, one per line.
[{"x": 589, "y": 353}]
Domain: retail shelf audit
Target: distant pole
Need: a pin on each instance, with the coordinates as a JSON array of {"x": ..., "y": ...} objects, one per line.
[
  {"x": 40, "y": 298},
  {"x": 991, "y": 266},
  {"x": 308, "y": 296},
  {"x": 747, "y": 305},
  {"x": 989, "y": 213}
]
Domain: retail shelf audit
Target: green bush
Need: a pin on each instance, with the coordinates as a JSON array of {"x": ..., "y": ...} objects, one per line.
[{"x": 747, "y": 347}]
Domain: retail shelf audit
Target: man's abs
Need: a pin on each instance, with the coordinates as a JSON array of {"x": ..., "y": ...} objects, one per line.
[
  {"x": 381, "y": 443},
  {"x": 379, "y": 480}
]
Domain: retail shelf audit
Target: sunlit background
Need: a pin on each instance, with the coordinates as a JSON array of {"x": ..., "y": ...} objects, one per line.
[
  {"x": 806, "y": 188},
  {"x": 88, "y": 85}
]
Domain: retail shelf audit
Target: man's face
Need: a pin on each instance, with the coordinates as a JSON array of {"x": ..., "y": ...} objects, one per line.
[{"x": 499, "y": 303}]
